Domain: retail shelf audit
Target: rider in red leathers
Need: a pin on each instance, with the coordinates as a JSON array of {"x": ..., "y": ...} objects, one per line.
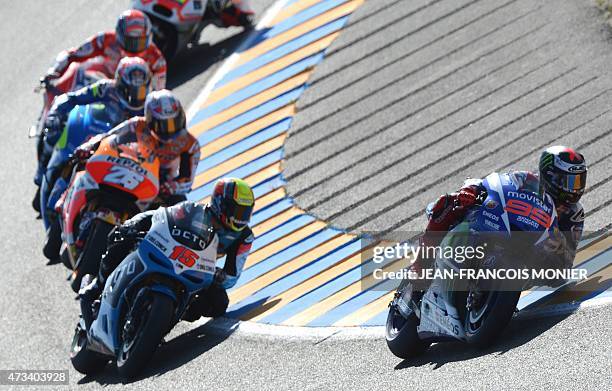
[{"x": 132, "y": 37}]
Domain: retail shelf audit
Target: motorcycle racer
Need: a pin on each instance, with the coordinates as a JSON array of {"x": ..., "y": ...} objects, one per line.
[
  {"x": 562, "y": 175},
  {"x": 229, "y": 212},
  {"x": 132, "y": 37},
  {"x": 163, "y": 129},
  {"x": 124, "y": 96}
]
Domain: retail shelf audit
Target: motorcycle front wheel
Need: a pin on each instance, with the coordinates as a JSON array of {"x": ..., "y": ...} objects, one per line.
[
  {"x": 401, "y": 335},
  {"x": 83, "y": 360},
  {"x": 143, "y": 330}
]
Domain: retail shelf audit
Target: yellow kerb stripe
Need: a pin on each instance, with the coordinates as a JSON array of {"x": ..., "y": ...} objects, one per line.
[
  {"x": 246, "y": 131},
  {"x": 285, "y": 269},
  {"x": 239, "y": 160},
  {"x": 269, "y": 69},
  {"x": 330, "y": 302},
  {"x": 253, "y": 179},
  {"x": 269, "y": 198},
  {"x": 251, "y": 102},
  {"x": 279, "y": 301},
  {"x": 274, "y": 42},
  {"x": 274, "y": 221},
  {"x": 366, "y": 312},
  {"x": 284, "y": 242},
  {"x": 293, "y": 9},
  {"x": 597, "y": 282}
]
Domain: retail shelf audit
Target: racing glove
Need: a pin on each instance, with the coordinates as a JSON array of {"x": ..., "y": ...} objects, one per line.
[
  {"x": 219, "y": 277},
  {"x": 83, "y": 152}
]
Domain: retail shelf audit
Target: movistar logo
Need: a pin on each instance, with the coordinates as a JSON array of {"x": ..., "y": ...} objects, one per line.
[{"x": 531, "y": 197}]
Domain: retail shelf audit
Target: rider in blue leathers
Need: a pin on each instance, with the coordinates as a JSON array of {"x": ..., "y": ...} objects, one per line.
[{"x": 124, "y": 96}]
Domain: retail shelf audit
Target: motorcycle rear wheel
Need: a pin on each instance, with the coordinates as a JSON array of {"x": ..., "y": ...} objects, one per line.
[
  {"x": 136, "y": 350},
  {"x": 95, "y": 247},
  {"x": 401, "y": 335},
  {"x": 486, "y": 323}
]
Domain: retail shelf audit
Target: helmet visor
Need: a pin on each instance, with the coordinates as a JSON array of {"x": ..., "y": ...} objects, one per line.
[
  {"x": 571, "y": 186},
  {"x": 239, "y": 215},
  {"x": 134, "y": 96},
  {"x": 134, "y": 44},
  {"x": 167, "y": 129}
]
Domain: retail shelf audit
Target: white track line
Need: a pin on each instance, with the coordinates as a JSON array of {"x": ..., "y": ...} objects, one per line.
[{"x": 227, "y": 66}]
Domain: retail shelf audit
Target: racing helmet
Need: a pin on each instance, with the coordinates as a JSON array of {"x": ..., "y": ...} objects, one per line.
[
  {"x": 232, "y": 203},
  {"x": 164, "y": 115},
  {"x": 563, "y": 173},
  {"x": 133, "y": 31},
  {"x": 132, "y": 81}
]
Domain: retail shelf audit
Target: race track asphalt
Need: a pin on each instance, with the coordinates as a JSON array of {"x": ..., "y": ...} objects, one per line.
[{"x": 37, "y": 309}]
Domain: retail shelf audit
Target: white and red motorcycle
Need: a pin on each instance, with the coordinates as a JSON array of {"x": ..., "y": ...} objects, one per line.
[{"x": 177, "y": 23}]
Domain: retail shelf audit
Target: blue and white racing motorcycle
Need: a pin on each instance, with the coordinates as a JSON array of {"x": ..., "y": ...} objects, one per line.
[
  {"x": 474, "y": 310},
  {"x": 147, "y": 294}
]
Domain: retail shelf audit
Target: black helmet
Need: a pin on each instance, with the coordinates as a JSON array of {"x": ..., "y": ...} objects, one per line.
[{"x": 563, "y": 173}]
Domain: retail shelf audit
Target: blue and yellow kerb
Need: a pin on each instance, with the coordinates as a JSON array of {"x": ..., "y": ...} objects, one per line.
[{"x": 301, "y": 272}]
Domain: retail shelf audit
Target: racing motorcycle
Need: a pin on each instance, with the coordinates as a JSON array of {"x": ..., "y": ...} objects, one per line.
[
  {"x": 147, "y": 294},
  {"x": 178, "y": 23},
  {"x": 83, "y": 123},
  {"x": 509, "y": 222},
  {"x": 118, "y": 181},
  {"x": 76, "y": 76}
]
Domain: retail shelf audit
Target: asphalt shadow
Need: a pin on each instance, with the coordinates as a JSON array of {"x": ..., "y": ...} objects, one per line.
[
  {"x": 169, "y": 356},
  {"x": 518, "y": 333},
  {"x": 195, "y": 60}
]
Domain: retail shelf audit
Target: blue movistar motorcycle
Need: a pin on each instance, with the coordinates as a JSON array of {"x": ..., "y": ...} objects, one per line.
[
  {"x": 147, "y": 294},
  {"x": 509, "y": 223}
]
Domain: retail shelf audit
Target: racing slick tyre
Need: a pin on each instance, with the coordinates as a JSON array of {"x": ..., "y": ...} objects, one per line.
[
  {"x": 53, "y": 244},
  {"x": 486, "y": 321},
  {"x": 95, "y": 247},
  {"x": 84, "y": 360},
  {"x": 401, "y": 335},
  {"x": 142, "y": 331}
]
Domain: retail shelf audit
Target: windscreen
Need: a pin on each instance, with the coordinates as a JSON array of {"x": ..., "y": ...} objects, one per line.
[{"x": 189, "y": 226}]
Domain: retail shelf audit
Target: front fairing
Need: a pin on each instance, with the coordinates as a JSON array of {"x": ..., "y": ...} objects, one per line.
[
  {"x": 150, "y": 266},
  {"x": 129, "y": 167}
]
